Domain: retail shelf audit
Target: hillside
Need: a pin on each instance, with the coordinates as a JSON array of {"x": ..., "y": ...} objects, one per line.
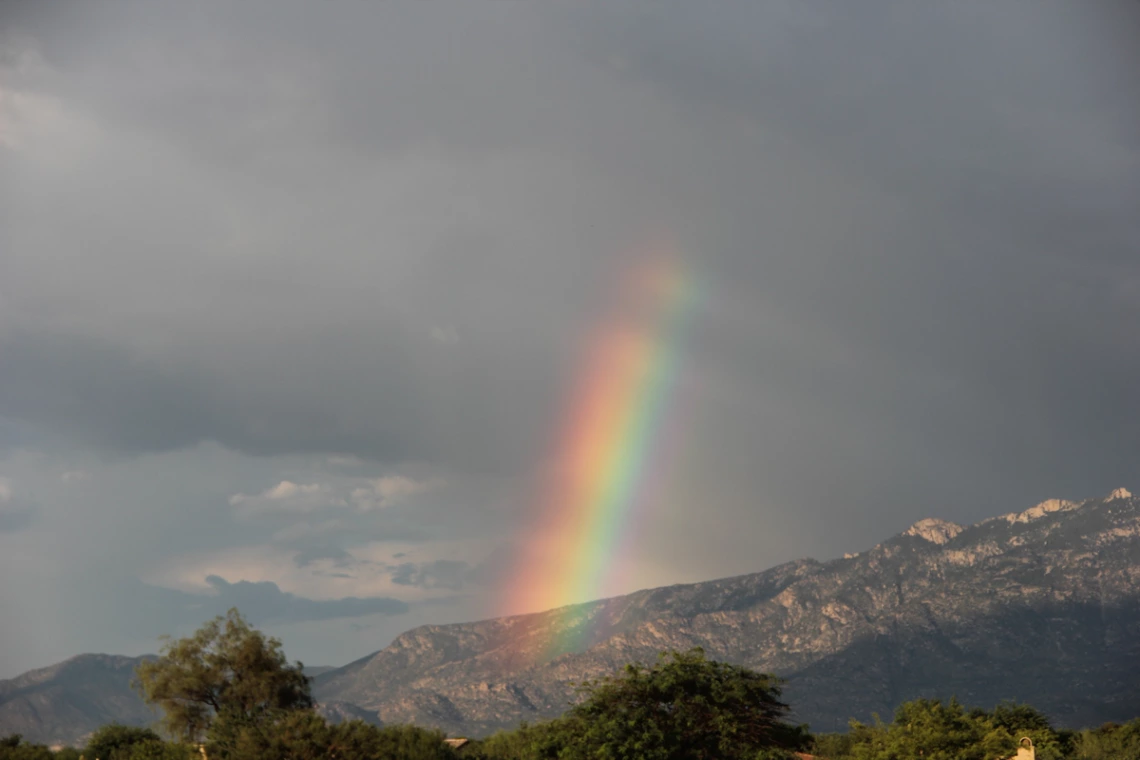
[
  {"x": 1041, "y": 606},
  {"x": 60, "y": 703}
]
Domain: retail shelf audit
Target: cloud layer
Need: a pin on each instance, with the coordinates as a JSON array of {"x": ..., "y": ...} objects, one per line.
[{"x": 294, "y": 296}]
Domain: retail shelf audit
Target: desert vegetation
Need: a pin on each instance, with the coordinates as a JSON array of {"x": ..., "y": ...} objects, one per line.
[{"x": 228, "y": 693}]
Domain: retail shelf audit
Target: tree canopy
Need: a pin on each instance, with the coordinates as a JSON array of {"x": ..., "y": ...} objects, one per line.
[
  {"x": 683, "y": 707},
  {"x": 119, "y": 742},
  {"x": 226, "y": 672},
  {"x": 304, "y": 735},
  {"x": 934, "y": 730}
]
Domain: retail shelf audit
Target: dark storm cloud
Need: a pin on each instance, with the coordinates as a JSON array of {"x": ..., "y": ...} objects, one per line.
[
  {"x": 986, "y": 275},
  {"x": 94, "y": 391},
  {"x": 984, "y": 288},
  {"x": 989, "y": 272},
  {"x": 380, "y": 231}
]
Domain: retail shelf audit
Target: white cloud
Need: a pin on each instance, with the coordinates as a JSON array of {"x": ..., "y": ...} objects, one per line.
[
  {"x": 73, "y": 475},
  {"x": 288, "y": 497},
  {"x": 386, "y": 491},
  {"x": 5, "y": 490}
]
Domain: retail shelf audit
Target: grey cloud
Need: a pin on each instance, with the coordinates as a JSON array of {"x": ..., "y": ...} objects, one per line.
[
  {"x": 440, "y": 573},
  {"x": 15, "y": 514},
  {"x": 308, "y": 556},
  {"x": 979, "y": 275},
  {"x": 454, "y": 575},
  {"x": 913, "y": 225},
  {"x": 140, "y": 612},
  {"x": 264, "y": 602}
]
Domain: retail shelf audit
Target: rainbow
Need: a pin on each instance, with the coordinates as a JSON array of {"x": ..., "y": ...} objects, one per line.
[{"x": 608, "y": 441}]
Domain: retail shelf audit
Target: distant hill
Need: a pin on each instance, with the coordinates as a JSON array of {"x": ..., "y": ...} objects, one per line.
[
  {"x": 63, "y": 702},
  {"x": 1042, "y": 606}
]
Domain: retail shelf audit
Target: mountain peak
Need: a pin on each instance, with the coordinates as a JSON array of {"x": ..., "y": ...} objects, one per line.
[
  {"x": 1119, "y": 493},
  {"x": 1042, "y": 509},
  {"x": 934, "y": 530}
]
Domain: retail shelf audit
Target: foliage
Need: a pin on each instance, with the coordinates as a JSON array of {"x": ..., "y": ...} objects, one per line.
[
  {"x": 13, "y": 747},
  {"x": 929, "y": 729},
  {"x": 926, "y": 728},
  {"x": 115, "y": 741},
  {"x": 542, "y": 740},
  {"x": 1111, "y": 741},
  {"x": 225, "y": 670},
  {"x": 684, "y": 706},
  {"x": 157, "y": 749},
  {"x": 304, "y": 735},
  {"x": 112, "y": 742}
]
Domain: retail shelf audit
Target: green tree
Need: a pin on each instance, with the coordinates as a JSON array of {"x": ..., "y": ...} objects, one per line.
[
  {"x": 1111, "y": 741},
  {"x": 304, "y": 735},
  {"x": 160, "y": 750},
  {"x": 1023, "y": 720},
  {"x": 115, "y": 741},
  {"x": 931, "y": 730},
  {"x": 13, "y": 747},
  {"x": 684, "y": 706},
  {"x": 294, "y": 735},
  {"x": 527, "y": 742},
  {"x": 226, "y": 670}
]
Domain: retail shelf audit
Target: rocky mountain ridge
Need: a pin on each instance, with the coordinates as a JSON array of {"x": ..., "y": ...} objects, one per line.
[{"x": 1041, "y": 605}]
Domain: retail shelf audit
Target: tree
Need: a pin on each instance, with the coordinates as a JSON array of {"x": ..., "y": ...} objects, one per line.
[
  {"x": 15, "y": 748},
  {"x": 226, "y": 672},
  {"x": 1024, "y": 720},
  {"x": 1109, "y": 742},
  {"x": 684, "y": 706},
  {"x": 931, "y": 730},
  {"x": 115, "y": 741},
  {"x": 304, "y": 735}
]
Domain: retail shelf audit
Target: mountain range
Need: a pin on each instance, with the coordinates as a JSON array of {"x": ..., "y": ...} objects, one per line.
[{"x": 1041, "y": 606}]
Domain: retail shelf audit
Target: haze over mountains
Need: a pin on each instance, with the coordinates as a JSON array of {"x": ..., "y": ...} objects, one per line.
[{"x": 1041, "y": 605}]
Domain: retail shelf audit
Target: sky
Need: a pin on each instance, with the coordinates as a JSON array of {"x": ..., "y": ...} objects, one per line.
[{"x": 292, "y": 294}]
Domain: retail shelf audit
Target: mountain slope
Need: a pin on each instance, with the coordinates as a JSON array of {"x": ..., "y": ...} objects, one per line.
[
  {"x": 61, "y": 703},
  {"x": 1042, "y": 606}
]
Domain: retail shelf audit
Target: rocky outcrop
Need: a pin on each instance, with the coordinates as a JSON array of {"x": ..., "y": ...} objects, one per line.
[{"x": 933, "y": 530}]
